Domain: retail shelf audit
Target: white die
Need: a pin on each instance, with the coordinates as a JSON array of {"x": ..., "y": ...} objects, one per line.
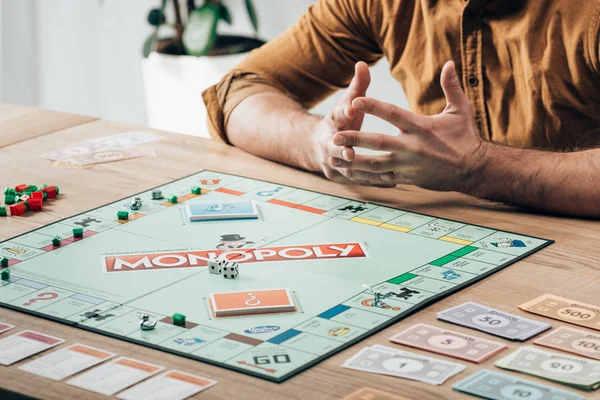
[
  {"x": 216, "y": 266},
  {"x": 230, "y": 270}
]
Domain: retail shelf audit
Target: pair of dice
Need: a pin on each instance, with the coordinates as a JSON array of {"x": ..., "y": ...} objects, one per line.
[{"x": 229, "y": 269}]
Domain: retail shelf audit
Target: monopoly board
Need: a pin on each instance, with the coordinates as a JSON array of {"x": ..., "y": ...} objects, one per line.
[{"x": 321, "y": 248}]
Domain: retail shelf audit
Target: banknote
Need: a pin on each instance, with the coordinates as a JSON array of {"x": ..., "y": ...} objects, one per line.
[
  {"x": 368, "y": 393},
  {"x": 104, "y": 156},
  {"x": 487, "y": 319},
  {"x": 571, "y": 311},
  {"x": 114, "y": 142},
  {"x": 573, "y": 341},
  {"x": 573, "y": 371},
  {"x": 498, "y": 386},
  {"x": 388, "y": 361},
  {"x": 449, "y": 343}
]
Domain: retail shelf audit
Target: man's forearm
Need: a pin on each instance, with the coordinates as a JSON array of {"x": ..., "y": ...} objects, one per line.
[
  {"x": 566, "y": 183},
  {"x": 273, "y": 126}
]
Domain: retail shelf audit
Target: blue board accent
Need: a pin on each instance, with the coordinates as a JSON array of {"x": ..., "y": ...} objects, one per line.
[
  {"x": 282, "y": 337},
  {"x": 332, "y": 312}
]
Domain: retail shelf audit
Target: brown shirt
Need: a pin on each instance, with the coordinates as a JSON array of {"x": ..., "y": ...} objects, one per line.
[{"x": 530, "y": 67}]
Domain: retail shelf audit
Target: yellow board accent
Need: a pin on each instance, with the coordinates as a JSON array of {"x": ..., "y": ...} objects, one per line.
[
  {"x": 396, "y": 227},
  {"x": 366, "y": 221},
  {"x": 455, "y": 240}
]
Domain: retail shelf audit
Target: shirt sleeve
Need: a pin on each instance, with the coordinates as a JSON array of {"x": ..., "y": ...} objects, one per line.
[{"x": 308, "y": 62}]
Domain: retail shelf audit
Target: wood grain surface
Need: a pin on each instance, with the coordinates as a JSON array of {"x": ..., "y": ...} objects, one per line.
[
  {"x": 19, "y": 123},
  {"x": 568, "y": 268}
]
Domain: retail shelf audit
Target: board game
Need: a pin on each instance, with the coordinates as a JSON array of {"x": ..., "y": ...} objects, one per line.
[{"x": 308, "y": 255}]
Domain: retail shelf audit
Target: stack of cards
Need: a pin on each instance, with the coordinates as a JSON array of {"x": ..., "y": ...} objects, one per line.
[
  {"x": 252, "y": 302},
  {"x": 576, "y": 372},
  {"x": 448, "y": 343},
  {"x": 5, "y": 327},
  {"x": 25, "y": 344},
  {"x": 572, "y": 341},
  {"x": 112, "y": 377},
  {"x": 486, "y": 319},
  {"x": 571, "y": 311},
  {"x": 497, "y": 386},
  {"x": 219, "y": 211},
  {"x": 66, "y": 362},
  {"x": 388, "y": 361},
  {"x": 172, "y": 385}
]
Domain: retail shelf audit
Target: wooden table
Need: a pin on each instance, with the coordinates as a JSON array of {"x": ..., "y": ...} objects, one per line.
[{"x": 568, "y": 268}]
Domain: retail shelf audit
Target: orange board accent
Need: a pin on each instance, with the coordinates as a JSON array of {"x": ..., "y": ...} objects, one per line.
[
  {"x": 131, "y": 218},
  {"x": 188, "y": 196},
  {"x": 283, "y": 203},
  {"x": 229, "y": 191},
  {"x": 310, "y": 209}
]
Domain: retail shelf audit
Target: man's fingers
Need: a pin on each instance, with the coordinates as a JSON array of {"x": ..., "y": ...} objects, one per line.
[
  {"x": 399, "y": 117},
  {"x": 364, "y": 176},
  {"x": 368, "y": 140},
  {"x": 340, "y": 152},
  {"x": 455, "y": 96},
  {"x": 380, "y": 164},
  {"x": 359, "y": 84},
  {"x": 342, "y": 114}
]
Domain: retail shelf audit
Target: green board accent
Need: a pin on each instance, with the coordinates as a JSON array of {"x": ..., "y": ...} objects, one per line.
[
  {"x": 444, "y": 260},
  {"x": 402, "y": 278},
  {"x": 464, "y": 251}
]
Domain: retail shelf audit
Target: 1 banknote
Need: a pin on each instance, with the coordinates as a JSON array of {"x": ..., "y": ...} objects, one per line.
[
  {"x": 388, "y": 361},
  {"x": 571, "y": 311},
  {"x": 449, "y": 343},
  {"x": 573, "y": 341},
  {"x": 572, "y": 371},
  {"x": 498, "y": 386},
  {"x": 499, "y": 323}
]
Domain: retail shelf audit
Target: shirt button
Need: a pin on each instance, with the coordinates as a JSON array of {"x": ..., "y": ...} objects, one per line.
[{"x": 473, "y": 81}]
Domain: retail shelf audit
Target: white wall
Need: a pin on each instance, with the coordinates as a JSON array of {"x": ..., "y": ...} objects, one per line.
[{"x": 84, "y": 56}]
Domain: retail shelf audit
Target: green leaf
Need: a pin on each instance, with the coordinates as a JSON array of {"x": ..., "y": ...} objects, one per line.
[
  {"x": 149, "y": 44},
  {"x": 224, "y": 14},
  {"x": 200, "y": 32},
  {"x": 252, "y": 14}
]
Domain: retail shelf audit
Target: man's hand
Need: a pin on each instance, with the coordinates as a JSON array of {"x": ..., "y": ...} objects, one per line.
[
  {"x": 327, "y": 157},
  {"x": 437, "y": 152}
]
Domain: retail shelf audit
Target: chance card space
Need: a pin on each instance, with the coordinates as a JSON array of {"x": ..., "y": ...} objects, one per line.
[{"x": 225, "y": 210}]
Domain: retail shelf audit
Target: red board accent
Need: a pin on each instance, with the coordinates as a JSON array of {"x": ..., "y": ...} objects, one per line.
[
  {"x": 283, "y": 203},
  {"x": 85, "y": 235},
  {"x": 310, "y": 209},
  {"x": 13, "y": 261},
  {"x": 229, "y": 191},
  {"x": 63, "y": 242}
]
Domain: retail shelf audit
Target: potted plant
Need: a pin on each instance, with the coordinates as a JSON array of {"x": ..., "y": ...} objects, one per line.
[{"x": 184, "y": 55}]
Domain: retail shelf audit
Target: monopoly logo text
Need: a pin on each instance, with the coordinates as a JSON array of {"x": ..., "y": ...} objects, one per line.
[{"x": 200, "y": 258}]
